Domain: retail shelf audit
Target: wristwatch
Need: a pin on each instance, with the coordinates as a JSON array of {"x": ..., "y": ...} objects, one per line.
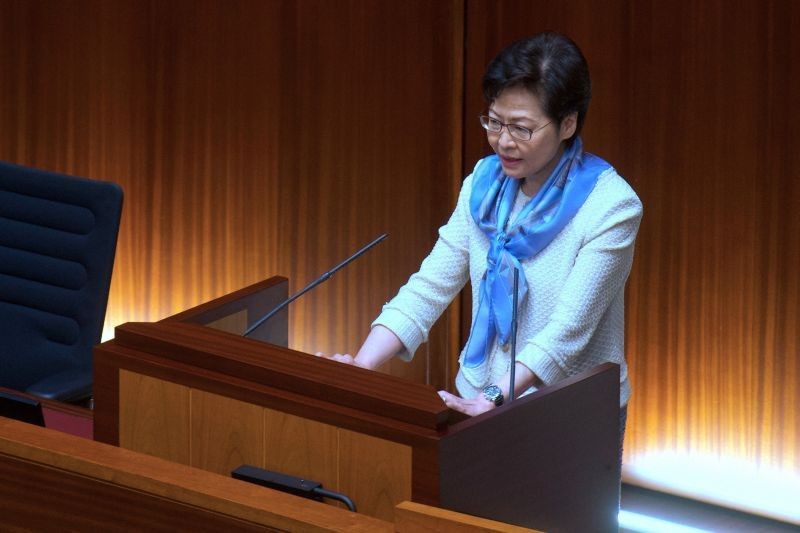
[{"x": 494, "y": 394}]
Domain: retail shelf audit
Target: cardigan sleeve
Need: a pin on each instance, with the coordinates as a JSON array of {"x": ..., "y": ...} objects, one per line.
[
  {"x": 595, "y": 280},
  {"x": 444, "y": 272}
]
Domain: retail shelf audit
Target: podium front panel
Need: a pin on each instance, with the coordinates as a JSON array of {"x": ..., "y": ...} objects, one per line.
[{"x": 218, "y": 434}]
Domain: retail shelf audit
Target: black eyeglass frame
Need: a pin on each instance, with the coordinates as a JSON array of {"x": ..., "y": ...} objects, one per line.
[{"x": 522, "y": 133}]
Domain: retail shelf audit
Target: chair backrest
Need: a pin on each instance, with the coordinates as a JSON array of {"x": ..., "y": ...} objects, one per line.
[{"x": 58, "y": 238}]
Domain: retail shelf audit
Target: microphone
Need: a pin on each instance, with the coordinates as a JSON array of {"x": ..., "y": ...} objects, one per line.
[
  {"x": 513, "y": 337},
  {"x": 326, "y": 276}
]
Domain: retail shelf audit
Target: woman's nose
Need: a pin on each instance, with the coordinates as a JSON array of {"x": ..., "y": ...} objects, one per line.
[{"x": 505, "y": 138}]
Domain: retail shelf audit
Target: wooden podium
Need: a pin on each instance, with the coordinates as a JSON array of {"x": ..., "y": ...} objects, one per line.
[{"x": 192, "y": 390}]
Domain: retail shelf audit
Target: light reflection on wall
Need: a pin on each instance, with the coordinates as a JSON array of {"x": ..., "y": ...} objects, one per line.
[
  {"x": 629, "y": 521},
  {"x": 725, "y": 481}
]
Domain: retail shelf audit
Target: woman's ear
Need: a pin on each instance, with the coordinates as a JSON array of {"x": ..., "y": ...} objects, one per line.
[{"x": 568, "y": 126}]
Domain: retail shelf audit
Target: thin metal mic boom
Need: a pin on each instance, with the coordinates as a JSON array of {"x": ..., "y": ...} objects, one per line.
[
  {"x": 513, "y": 337},
  {"x": 326, "y": 276}
]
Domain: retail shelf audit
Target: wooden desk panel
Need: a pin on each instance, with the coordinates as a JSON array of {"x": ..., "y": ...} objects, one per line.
[
  {"x": 62, "y": 482},
  {"x": 218, "y": 434},
  {"x": 154, "y": 417}
]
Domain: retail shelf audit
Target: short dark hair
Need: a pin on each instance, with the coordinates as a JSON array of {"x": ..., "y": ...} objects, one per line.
[{"x": 551, "y": 66}]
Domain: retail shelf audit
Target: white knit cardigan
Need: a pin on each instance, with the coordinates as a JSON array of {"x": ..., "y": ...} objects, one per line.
[{"x": 573, "y": 318}]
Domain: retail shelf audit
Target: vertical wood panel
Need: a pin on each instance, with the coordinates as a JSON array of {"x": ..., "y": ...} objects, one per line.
[
  {"x": 225, "y": 433},
  {"x": 154, "y": 417},
  {"x": 300, "y": 447},
  {"x": 218, "y": 434},
  {"x": 694, "y": 104},
  {"x": 375, "y": 473},
  {"x": 252, "y": 138}
]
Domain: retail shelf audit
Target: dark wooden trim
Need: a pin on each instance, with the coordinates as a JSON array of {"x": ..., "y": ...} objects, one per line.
[
  {"x": 106, "y": 396},
  {"x": 41, "y": 498},
  {"x": 251, "y": 391},
  {"x": 228, "y": 303},
  {"x": 256, "y": 301},
  {"x": 288, "y": 370}
]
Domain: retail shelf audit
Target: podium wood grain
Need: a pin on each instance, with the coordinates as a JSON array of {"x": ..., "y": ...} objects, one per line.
[
  {"x": 413, "y": 517},
  {"x": 301, "y": 447},
  {"x": 154, "y": 416},
  {"x": 66, "y": 483},
  {"x": 225, "y": 433},
  {"x": 217, "y": 434},
  {"x": 374, "y": 472}
]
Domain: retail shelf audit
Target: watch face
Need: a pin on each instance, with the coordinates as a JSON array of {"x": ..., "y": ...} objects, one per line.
[{"x": 493, "y": 393}]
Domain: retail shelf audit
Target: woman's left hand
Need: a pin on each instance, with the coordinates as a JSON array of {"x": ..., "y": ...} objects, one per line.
[{"x": 475, "y": 406}]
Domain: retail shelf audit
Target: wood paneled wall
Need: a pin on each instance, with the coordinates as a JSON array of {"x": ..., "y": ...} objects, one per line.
[
  {"x": 252, "y": 138},
  {"x": 256, "y": 138}
]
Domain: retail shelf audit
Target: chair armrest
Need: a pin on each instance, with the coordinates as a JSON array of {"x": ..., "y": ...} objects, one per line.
[{"x": 67, "y": 386}]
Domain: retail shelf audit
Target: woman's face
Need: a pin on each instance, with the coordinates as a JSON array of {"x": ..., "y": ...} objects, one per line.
[{"x": 535, "y": 159}]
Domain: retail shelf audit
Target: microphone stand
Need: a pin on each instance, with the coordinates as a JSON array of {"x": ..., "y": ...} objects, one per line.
[
  {"x": 513, "y": 337},
  {"x": 326, "y": 276}
]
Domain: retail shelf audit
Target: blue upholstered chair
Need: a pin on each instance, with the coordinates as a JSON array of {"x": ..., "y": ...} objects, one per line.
[{"x": 58, "y": 237}]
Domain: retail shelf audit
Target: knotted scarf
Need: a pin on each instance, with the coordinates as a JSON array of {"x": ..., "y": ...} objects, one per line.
[{"x": 537, "y": 224}]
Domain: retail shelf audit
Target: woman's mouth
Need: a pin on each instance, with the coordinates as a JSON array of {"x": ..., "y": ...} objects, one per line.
[{"x": 509, "y": 161}]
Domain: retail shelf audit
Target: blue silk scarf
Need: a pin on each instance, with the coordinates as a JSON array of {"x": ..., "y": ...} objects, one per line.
[{"x": 534, "y": 227}]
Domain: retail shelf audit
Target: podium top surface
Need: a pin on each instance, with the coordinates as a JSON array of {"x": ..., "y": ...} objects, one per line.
[{"x": 288, "y": 370}]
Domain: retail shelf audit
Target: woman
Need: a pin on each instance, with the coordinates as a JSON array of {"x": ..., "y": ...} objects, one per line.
[{"x": 540, "y": 205}]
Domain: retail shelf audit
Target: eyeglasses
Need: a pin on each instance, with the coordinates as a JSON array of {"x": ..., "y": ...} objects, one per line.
[{"x": 521, "y": 133}]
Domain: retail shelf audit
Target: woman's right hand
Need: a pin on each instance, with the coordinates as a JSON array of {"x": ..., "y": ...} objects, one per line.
[
  {"x": 341, "y": 358},
  {"x": 380, "y": 346}
]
